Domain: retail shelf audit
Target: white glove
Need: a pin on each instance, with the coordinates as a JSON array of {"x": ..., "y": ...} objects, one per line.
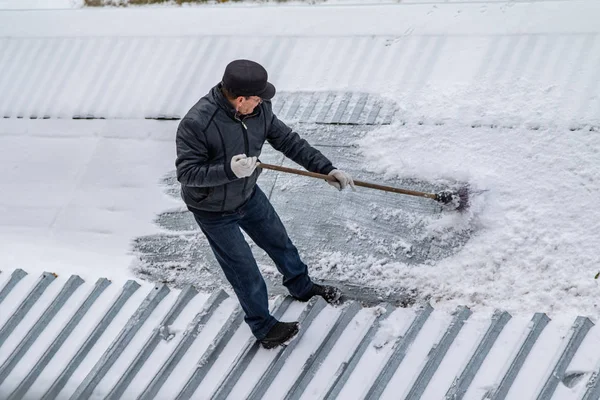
[
  {"x": 243, "y": 166},
  {"x": 342, "y": 179}
]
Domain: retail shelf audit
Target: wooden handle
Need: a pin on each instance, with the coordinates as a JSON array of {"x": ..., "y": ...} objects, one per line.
[{"x": 356, "y": 183}]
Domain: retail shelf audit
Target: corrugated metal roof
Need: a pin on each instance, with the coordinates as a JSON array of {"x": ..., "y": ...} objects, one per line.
[
  {"x": 62, "y": 337},
  {"x": 150, "y": 77}
]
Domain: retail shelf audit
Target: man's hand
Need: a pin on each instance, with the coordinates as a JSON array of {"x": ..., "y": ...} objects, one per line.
[
  {"x": 243, "y": 166},
  {"x": 342, "y": 179}
]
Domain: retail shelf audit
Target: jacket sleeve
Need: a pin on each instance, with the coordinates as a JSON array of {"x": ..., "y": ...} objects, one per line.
[
  {"x": 194, "y": 167},
  {"x": 284, "y": 139}
]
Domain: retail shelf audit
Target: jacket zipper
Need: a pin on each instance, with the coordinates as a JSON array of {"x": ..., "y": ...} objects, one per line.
[
  {"x": 247, "y": 147},
  {"x": 225, "y": 155}
]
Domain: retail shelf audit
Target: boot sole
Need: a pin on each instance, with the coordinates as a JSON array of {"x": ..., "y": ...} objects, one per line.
[{"x": 335, "y": 301}]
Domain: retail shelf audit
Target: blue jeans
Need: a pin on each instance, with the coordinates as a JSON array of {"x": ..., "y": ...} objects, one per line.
[{"x": 260, "y": 221}]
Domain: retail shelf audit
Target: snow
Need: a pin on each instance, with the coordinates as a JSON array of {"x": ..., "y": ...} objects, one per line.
[
  {"x": 39, "y": 4},
  {"x": 165, "y": 348},
  {"x": 73, "y": 199},
  {"x": 190, "y": 359},
  {"x": 525, "y": 138},
  {"x": 315, "y": 334},
  {"x": 340, "y": 353},
  {"x": 499, "y": 358},
  {"x": 543, "y": 352},
  {"x": 417, "y": 355},
  {"x": 78, "y": 337},
  {"x": 458, "y": 355},
  {"x": 390, "y": 329},
  {"x": 401, "y": 20},
  {"x": 36, "y": 311},
  {"x": 107, "y": 337},
  {"x": 262, "y": 360},
  {"x": 222, "y": 365},
  {"x": 16, "y": 297},
  {"x": 534, "y": 226},
  {"x": 373, "y": 360},
  {"x": 537, "y": 164},
  {"x": 128, "y": 354},
  {"x": 48, "y": 334},
  {"x": 584, "y": 361}
]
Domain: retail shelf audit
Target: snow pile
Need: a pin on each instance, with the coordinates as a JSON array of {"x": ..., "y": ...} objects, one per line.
[{"x": 536, "y": 240}]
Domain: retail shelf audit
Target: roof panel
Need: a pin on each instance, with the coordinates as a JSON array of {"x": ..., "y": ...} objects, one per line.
[{"x": 145, "y": 340}]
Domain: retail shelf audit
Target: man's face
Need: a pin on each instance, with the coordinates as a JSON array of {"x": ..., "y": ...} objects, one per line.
[{"x": 245, "y": 105}]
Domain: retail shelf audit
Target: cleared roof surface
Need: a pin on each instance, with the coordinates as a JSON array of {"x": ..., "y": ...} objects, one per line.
[{"x": 318, "y": 219}]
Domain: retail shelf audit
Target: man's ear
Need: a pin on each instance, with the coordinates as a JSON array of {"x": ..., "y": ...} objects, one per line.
[{"x": 238, "y": 103}]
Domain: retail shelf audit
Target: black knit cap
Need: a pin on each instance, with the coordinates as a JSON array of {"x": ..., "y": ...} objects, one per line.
[{"x": 248, "y": 78}]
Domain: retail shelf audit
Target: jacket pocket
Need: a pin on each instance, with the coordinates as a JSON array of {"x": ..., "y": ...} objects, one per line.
[{"x": 198, "y": 195}]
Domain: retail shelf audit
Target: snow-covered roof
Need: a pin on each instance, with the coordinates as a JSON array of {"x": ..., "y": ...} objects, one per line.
[
  {"x": 63, "y": 337},
  {"x": 477, "y": 62},
  {"x": 503, "y": 95}
]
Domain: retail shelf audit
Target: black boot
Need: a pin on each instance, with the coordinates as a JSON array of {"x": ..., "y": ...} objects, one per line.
[
  {"x": 330, "y": 294},
  {"x": 279, "y": 334}
]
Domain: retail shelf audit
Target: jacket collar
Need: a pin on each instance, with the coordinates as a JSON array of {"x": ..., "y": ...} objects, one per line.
[{"x": 223, "y": 103}]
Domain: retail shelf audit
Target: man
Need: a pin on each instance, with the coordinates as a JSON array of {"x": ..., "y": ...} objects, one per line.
[{"x": 218, "y": 144}]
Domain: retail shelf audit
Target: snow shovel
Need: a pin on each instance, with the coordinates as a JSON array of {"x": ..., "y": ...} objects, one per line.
[{"x": 455, "y": 200}]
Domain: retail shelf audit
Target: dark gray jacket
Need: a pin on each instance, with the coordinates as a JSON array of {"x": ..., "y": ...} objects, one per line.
[{"x": 208, "y": 137}]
